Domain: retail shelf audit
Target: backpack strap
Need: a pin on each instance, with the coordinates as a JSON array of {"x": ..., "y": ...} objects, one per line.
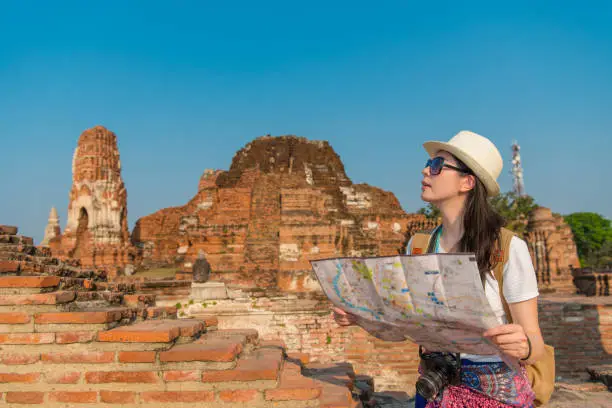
[
  {"x": 421, "y": 242},
  {"x": 502, "y": 258}
]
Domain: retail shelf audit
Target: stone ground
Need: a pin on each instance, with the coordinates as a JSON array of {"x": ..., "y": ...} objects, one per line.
[{"x": 586, "y": 395}]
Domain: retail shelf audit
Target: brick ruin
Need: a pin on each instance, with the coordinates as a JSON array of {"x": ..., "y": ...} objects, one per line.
[
  {"x": 97, "y": 230},
  {"x": 284, "y": 201},
  {"x": 77, "y": 339},
  {"x": 553, "y": 250}
]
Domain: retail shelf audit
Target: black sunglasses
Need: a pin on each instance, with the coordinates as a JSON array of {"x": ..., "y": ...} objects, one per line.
[{"x": 437, "y": 163}]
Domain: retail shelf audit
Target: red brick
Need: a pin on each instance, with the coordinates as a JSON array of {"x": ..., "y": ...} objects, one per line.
[
  {"x": 19, "y": 377},
  {"x": 146, "y": 332},
  {"x": 292, "y": 394},
  {"x": 27, "y": 397},
  {"x": 178, "y": 396},
  {"x": 9, "y": 358},
  {"x": 190, "y": 328},
  {"x": 280, "y": 344},
  {"x": 174, "y": 376},
  {"x": 29, "y": 281},
  {"x": 62, "y": 378},
  {"x": 9, "y": 266},
  {"x": 37, "y": 298},
  {"x": 210, "y": 321},
  {"x": 8, "y": 230},
  {"x": 334, "y": 396},
  {"x": 262, "y": 365},
  {"x": 102, "y": 377},
  {"x": 249, "y": 335},
  {"x": 117, "y": 397},
  {"x": 138, "y": 300},
  {"x": 157, "y": 312},
  {"x": 76, "y": 397},
  {"x": 217, "y": 350},
  {"x": 137, "y": 356},
  {"x": 304, "y": 358},
  {"x": 27, "y": 338},
  {"x": 293, "y": 386},
  {"x": 92, "y": 357},
  {"x": 78, "y": 317},
  {"x": 75, "y": 337},
  {"x": 14, "y": 318},
  {"x": 238, "y": 395}
]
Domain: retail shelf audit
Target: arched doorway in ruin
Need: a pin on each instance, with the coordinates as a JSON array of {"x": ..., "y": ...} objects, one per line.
[{"x": 82, "y": 233}]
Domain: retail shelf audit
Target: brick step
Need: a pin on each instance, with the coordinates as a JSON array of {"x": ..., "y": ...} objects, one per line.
[
  {"x": 251, "y": 336},
  {"x": 8, "y": 230},
  {"x": 111, "y": 298},
  {"x": 178, "y": 294},
  {"x": 34, "y": 258},
  {"x": 92, "y": 316},
  {"x": 153, "y": 399},
  {"x": 154, "y": 331},
  {"x": 260, "y": 365},
  {"x": 124, "y": 287},
  {"x": 36, "y": 299},
  {"x": 161, "y": 285},
  {"x": 139, "y": 299},
  {"x": 9, "y": 266},
  {"x": 28, "y": 284},
  {"x": 158, "y": 312},
  {"x": 249, "y": 339},
  {"x": 211, "y": 350},
  {"x": 16, "y": 239}
]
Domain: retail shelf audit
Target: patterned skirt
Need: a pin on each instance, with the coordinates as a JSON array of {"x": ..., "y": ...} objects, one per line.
[{"x": 484, "y": 385}]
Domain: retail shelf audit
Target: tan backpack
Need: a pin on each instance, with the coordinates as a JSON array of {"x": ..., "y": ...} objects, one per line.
[{"x": 542, "y": 373}]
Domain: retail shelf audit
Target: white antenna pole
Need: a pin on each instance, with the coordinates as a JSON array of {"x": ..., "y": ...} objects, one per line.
[{"x": 517, "y": 170}]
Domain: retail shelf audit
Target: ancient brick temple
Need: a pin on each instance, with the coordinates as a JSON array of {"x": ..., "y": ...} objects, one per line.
[
  {"x": 97, "y": 231},
  {"x": 285, "y": 200},
  {"x": 553, "y": 250}
]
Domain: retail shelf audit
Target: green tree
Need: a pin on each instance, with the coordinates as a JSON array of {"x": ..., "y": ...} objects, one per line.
[
  {"x": 593, "y": 237},
  {"x": 515, "y": 209}
]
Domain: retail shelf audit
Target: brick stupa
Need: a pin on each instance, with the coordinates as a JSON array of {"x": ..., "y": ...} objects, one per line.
[
  {"x": 97, "y": 230},
  {"x": 53, "y": 228}
]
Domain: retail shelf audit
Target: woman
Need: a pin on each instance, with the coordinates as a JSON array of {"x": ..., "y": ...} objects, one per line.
[{"x": 458, "y": 179}]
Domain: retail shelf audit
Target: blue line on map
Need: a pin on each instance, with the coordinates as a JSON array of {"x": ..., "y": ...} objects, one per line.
[{"x": 337, "y": 290}]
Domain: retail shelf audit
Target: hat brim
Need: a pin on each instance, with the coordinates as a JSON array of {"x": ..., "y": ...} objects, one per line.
[{"x": 490, "y": 183}]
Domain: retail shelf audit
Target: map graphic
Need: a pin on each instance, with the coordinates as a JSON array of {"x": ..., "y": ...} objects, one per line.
[{"x": 435, "y": 300}]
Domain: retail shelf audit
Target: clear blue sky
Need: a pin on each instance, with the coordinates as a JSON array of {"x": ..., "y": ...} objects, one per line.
[{"x": 184, "y": 85}]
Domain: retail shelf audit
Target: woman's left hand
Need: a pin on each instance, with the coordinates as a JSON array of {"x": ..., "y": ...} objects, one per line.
[{"x": 510, "y": 338}]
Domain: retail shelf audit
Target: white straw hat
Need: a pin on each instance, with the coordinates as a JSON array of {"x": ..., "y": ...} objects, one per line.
[{"x": 477, "y": 152}]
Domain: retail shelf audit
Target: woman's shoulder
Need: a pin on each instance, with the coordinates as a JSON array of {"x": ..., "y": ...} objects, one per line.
[{"x": 518, "y": 246}]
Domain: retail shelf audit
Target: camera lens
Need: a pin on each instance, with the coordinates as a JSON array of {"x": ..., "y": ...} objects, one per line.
[{"x": 429, "y": 385}]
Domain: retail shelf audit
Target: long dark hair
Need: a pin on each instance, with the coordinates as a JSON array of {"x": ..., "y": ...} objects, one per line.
[{"x": 481, "y": 227}]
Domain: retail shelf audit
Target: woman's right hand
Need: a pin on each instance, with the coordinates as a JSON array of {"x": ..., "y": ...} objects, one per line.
[{"x": 343, "y": 318}]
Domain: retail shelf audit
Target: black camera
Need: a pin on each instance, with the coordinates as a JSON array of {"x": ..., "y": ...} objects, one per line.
[{"x": 439, "y": 370}]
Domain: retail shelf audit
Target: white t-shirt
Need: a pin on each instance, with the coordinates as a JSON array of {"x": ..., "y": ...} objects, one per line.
[{"x": 520, "y": 284}]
